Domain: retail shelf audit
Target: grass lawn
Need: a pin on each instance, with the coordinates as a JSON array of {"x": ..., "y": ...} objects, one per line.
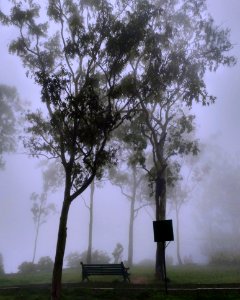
[
  {"x": 187, "y": 282},
  {"x": 117, "y": 294}
]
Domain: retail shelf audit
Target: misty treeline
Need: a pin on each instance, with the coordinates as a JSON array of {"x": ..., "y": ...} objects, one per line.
[
  {"x": 220, "y": 195},
  {"x": 102, "y": 65},
  {"x": 44, "y": 264}
]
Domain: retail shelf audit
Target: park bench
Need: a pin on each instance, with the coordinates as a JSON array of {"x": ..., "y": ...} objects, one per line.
[{"x": 105, "y": 269}]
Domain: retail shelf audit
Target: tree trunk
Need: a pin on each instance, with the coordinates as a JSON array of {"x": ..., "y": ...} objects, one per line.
[
  {"x": 160, "y": 201},
  {"x": 60, "y": 249},
  {"x": 90, "y": 233},
  {"x": 35, "y": 242},
  {"x": 178, "y": 237},
  {"x": 130, "y": 236},
  {"x": 132, "y": 217},
  {"x": 42, "y": 198}
]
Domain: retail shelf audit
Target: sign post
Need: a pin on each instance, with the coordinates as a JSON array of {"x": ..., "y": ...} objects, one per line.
[{"x": 163, "y": 232}]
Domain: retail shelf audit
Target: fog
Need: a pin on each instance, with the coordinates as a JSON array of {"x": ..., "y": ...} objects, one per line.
[{"x": 217, "y": 127}]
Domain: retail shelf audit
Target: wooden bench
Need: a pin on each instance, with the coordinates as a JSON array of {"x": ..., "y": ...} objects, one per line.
[{"x": 105, "y": 269}]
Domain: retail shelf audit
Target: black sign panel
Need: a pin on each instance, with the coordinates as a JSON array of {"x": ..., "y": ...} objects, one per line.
[{"x": 163, "y": 231}]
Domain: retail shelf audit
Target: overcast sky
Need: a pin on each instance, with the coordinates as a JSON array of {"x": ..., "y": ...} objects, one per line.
[
  {"x": 21, "y": 175},
  {"x": 222, "y": 118}
]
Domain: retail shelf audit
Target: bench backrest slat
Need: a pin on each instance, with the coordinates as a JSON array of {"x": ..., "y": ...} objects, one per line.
[{"x": 104, "y": 269}]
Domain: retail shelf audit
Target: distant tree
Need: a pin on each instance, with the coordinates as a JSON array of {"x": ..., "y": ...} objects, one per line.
[
  {"x": 2, "y": 272},
  {"x": 27, "y": 267},
  {"x": 117, "y": 253},
  {"x": 187, "y": 181},
  {"x": 131, "y": 182},
  {"x": 223, "y": 257},
  {"x": 129, "y": 174},
  {"x": 90, "y": 228},
  {"x": 45, "y": 264},
  {"x": 98, "y": 257},
  {"x": 82, "y": 70},
  {"x": 94, "y": 184},
  {"x": 41, "y": 209},
  {"x": 52, "y": 175},
  {"x": 182, "y": 43},
  {"x": 219, "y": 193},
  {"x": 9, "y": 107},
  {"x": 90, "y": 208},
  {"x": 178, "y": 196},
  {"x": 73, "y": 260}
]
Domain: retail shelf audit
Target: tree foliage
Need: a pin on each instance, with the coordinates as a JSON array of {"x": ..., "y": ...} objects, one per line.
[
  {"x": 131, "y": 161},
  {"x": 98, "y": 257},
  {"x": 73, "y": 259},
  {"x": 168, "y": 75},
  {"x": 117, "y": 253},
  {"x": 45, "y": 264},
  {"x": 40, "y": 210},
  {"x": 181, "y": 44},
  {"x": 80, "y": 58},
  {"x": 9, "y": 108},
  {"x": 27, "y": 267},
  {"x": 80, "y": 68}
]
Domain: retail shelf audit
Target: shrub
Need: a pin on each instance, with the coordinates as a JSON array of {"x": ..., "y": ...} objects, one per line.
[
  {"x": 98, "y": 257},
  {"x": 224, "y": 258},
  {"x": 27, "y": 267},
  {"x": 73, "y": 260},
  {"x": 45, "y": 263}
]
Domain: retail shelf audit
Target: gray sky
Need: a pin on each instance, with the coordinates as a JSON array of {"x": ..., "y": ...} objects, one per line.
[{"x": 17, "y": 181}]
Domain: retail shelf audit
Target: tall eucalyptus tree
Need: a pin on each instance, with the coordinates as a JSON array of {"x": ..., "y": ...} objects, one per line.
[
  {"x": 182, "y": 43},
  {"x": 78, "y": 52}
]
